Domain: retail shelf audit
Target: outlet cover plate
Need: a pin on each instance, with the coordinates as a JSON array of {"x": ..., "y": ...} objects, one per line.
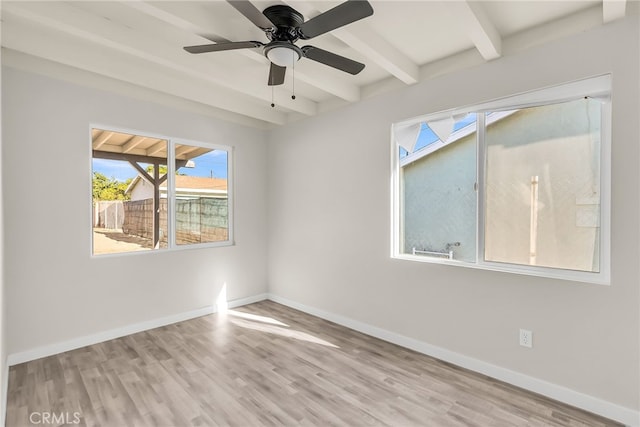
[{"x": 526, "y": 338}]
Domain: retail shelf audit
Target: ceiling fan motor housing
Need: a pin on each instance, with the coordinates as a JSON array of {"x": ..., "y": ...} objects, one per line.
[{"x": 286, "y": 20}]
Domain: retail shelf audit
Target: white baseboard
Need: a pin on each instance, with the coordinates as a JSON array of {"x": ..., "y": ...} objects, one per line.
[
  {"x": 249, "y": 300},
  {"x": 562, "y": 394},
  {"x": 61, "y": 347}
]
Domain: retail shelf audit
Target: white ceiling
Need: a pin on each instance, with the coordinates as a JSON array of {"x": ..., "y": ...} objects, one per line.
[{"x": 140, "y": 42}]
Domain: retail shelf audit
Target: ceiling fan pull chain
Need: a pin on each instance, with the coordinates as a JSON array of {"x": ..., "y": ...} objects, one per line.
[
  {"x": 272, "y": 103},
  {"x": 293, "y": 78}
]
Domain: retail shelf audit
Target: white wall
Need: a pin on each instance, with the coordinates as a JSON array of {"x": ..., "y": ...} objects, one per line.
[
  {"x": 57, "y": 291},
  {"x": 329, "y": 234}
]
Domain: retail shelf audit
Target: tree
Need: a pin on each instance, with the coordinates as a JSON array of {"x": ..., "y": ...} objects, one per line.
[
  {"x": 109, "y": 188},
  {"x": 163, "y": 169}
]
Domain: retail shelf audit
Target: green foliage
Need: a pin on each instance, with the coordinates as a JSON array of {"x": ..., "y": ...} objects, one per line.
[
  {"x": 163, "y": 169},
  {"x": 109, "y": 188}
]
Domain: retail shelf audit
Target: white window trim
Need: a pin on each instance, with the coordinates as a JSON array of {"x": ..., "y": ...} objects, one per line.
[
  {"x": 600, "y": 87},
  {"x": 171, "y": 240}
]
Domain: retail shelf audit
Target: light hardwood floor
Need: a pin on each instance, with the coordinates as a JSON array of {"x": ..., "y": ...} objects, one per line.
[{"x": 267, "y": 364}]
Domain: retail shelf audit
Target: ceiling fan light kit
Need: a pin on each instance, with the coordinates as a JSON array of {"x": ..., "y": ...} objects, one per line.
[
  {"x": 283, "y": 26},
  {"x": 283, "y": 54}
]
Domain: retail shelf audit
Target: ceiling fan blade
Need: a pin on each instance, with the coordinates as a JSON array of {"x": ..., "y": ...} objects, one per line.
[
  {"x": 276, "y": 74},
  {"x": 343, "y": 14},
  {"x": 332, "y": 60},
  {"x": 204, "y": 48},
  {"x": 252, "y": 13}
]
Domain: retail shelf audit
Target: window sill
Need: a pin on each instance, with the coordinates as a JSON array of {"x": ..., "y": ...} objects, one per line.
[
  {"x": 174, "y": 249},
  {"x": 601, "y": 278}
]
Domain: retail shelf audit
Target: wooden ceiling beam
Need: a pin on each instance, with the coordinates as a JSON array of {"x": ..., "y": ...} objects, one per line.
[
  {"x": 613, "y": 10},
  {"x": 185, "y": 149},
  {"x": 125, "y": 157},
  {"x": 376, "y": 48},
  {"x": 474, "y": 20},
  {"x": 157, "y": 147},
  {"x": 366, "y": 41},
  {"x": 133, "y": 143},
  {"x": 102, "y": 139}
]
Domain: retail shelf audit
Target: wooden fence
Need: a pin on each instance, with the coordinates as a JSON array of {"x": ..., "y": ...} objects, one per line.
[{"x": 199, "y": 220}]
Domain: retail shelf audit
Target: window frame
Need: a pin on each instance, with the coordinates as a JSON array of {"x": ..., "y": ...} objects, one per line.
[
  {"x": 599, "y": 87},
  {"x": 171, "y": 192}
]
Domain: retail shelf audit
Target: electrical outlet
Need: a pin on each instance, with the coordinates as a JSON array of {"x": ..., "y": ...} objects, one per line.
[{"x": 526, "y": 338}]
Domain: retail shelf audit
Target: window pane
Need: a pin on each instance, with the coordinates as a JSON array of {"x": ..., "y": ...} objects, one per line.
[
  {"x": 543, "y": 186},
  {"x": 128, "y": 214},
  {"x": 202, "y": 214},
  {"x": 438, "y": 197}
]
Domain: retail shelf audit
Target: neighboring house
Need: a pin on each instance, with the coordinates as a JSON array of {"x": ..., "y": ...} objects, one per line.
[
  {"x": 439, "y": 197},
  {"x": 187, "y": 187}
]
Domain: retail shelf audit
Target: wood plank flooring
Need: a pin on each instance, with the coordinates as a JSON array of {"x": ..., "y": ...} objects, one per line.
[{"x": 265, "y": 364}]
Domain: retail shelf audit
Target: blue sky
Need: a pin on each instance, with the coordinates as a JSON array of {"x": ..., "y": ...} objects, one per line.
[
  {"x": 426, "y": 135},
  {"x": 213, "y": 163}
]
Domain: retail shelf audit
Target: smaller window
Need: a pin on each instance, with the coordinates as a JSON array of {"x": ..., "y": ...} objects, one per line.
[{"x": 151, "y": 193}]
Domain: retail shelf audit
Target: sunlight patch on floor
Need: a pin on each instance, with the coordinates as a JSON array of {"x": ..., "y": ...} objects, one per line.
[
  {"x": 274, "y": 328},
  {"x": 256, "y": 318}
]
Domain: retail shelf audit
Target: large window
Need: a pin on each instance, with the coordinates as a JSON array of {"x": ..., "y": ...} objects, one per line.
[
  {"x": 154, "y": 193},
  {"x": 519, "y": 184}
]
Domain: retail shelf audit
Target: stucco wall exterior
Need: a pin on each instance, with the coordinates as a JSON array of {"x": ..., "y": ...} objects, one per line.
[{"x": 552, "y": 151}]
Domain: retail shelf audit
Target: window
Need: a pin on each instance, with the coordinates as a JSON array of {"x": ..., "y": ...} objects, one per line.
[
  {"x": 201, "y": 195},
  {"x": 440, "y": 209},
  {"x": 519, "y": 184},
  {"x": 153, "y": 193}
]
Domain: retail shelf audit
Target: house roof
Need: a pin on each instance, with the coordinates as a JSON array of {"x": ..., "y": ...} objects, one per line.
[
  {"x": 455, "y": 136},
  {"x": 198, "y": 183},
  {"x": 189, "y": 184}
]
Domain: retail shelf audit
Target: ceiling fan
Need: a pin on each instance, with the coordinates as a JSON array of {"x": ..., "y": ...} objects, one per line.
[{"x": 284, "y": 25}]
